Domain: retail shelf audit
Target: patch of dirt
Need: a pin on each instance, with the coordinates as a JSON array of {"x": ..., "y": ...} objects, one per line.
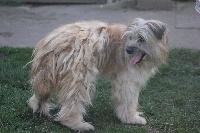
[{"x": 6, "y": 34}]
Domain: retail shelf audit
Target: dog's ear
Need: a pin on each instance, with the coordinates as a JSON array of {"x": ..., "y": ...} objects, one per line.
[{"x": 158, "y": 28}]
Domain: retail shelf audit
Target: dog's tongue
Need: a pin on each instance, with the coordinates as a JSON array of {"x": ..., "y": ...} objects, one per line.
[{"x": 135, "y": 58}]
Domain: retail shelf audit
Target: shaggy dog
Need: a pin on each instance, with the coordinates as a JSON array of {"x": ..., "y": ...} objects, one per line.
[{"x": 68, "y": 61}]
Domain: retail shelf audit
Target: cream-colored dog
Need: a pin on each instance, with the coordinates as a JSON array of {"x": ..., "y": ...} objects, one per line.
[{"x": 69, "y": 60}]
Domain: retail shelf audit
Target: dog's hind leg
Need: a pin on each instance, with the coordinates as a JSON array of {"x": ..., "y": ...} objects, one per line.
[
  {"x": 71, "y": 115},
  {"x": 39, "y": 105},
  {"x": 39, "y": 101},
  {"x": 73, "y": 103},
  {"x": 125, "y": 97}
]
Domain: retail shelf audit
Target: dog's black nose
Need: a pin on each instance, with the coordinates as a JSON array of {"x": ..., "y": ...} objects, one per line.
[{"x": 129, "y": 49}]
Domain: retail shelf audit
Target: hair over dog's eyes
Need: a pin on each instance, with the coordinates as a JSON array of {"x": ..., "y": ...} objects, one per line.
[{"x": 141, "y": 39}]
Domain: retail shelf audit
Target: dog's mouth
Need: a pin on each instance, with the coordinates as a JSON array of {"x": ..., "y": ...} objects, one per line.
[
  {"x": 137, "y": 54},
  {"x": 137, "y": 58}
]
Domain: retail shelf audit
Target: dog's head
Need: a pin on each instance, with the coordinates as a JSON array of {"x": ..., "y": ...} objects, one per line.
[{"x": 146, "y": 41}]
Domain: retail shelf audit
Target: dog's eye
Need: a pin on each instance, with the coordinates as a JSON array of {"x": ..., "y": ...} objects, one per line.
[
  {"x": 130, "y": 38},
  {"x": 141, "y": 39}
]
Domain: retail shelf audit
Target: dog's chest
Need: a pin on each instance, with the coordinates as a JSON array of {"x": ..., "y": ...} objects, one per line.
[{"x": 140, "y": 75}]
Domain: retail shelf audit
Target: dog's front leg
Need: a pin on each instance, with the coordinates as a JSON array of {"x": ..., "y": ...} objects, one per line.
[{"x": 125, "y": 97}]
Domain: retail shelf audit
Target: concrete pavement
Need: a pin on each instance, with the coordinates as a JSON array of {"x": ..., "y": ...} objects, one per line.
[{"x": 25, "y": 25}]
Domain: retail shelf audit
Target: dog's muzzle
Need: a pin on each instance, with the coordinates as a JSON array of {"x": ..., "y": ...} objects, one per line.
[
  {"x": 138, "y": 54},
  {"x": 130, "y": 49}
]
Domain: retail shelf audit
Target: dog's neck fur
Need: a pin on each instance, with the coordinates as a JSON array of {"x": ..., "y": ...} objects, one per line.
[
  {"x": 116, "y": 32},
  {"x": 111, "y": 56}
]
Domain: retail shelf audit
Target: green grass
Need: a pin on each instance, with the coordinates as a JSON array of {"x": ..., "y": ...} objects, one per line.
[
  {"x": 12, "y": 3},
  {"x": 170, "y": 102}
]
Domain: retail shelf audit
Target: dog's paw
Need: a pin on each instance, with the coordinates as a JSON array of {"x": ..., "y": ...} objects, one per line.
[
  {"x": 78, "y": 125},
  {"x": 85, "y": 127},
  {"x": 138, "y": 120},
  {"x": 133, "y": 118}
]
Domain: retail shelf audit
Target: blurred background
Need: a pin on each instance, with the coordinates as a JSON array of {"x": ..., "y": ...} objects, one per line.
[{"x": 24, "y": 22}]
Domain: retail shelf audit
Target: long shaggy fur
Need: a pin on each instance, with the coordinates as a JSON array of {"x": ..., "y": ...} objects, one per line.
[{"x": 68, "y": 61}]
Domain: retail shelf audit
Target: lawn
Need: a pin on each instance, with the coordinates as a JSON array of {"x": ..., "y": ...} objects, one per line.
[{"x": 170, "y": 102}]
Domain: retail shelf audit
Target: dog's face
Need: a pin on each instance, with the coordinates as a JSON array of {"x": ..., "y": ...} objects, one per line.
[{"x": 146, "y": 41}]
